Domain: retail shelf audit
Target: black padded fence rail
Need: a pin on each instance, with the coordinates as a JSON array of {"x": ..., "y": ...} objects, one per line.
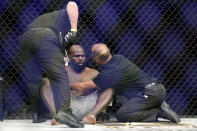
[{"x": 160, "y": 36}]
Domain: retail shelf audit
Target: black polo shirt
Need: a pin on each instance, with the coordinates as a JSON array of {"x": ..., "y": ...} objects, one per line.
[
  {"x": 122, "y": 75},
  {"x": 56, "y": 20}
]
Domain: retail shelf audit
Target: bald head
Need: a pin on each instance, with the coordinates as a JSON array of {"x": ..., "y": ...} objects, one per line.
[{"x": 100, "y": 52}]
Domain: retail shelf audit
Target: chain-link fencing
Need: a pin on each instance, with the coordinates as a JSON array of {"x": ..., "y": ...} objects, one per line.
[{"x": 160, "y": 36}]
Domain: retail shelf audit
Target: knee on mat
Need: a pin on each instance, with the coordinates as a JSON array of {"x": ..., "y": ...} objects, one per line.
[
  {"x": 121, "y": 116},
  {"x": 128, "y": 117}
]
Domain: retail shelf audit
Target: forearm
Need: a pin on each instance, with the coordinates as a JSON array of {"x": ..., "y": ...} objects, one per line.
[
  {"x": 82, "y": 86},
  {"x": 102, "y": 102},
  {"x": 73, "y": 13},
  {"x": 47, "y": 96}
]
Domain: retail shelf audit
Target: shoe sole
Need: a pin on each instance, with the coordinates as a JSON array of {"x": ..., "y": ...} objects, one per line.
[
  {"x": 63, "y": 121},
  {"x": 39, "y": 121},
  {"x": 171, "y": 115}
]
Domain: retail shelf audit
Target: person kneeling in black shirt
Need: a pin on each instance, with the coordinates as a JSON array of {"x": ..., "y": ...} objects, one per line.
[{"x": 145, "y": 96}]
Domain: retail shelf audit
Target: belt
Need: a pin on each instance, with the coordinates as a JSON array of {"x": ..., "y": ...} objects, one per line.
[
  {"x": 150, "y": 85},
  {"x": 59, "y": 35},
  {"x": 34, "y": 29}
]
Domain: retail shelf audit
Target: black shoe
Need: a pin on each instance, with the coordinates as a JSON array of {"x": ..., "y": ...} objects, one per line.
[
  {"x": 37, "y": 118},
  {"x": 167, "y": 113},
  {"x": 67, "y": 118}
]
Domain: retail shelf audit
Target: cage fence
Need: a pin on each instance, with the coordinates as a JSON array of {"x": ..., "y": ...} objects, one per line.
[{"x": 160, "y": 36}]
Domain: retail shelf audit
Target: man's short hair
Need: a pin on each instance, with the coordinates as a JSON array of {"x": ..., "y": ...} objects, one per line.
[
  {"x": 101, "y": 55},
  {"x": 69, "y": 50}
]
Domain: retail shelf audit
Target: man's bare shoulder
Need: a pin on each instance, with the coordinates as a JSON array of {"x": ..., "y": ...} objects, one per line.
[{"x": 91, "y": 70}]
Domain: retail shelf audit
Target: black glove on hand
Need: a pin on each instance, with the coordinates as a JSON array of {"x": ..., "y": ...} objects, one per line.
[{"x": 71, "y": 37}]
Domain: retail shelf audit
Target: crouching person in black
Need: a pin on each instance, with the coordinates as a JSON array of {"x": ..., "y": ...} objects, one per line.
[{"x": 144, "y": 96}]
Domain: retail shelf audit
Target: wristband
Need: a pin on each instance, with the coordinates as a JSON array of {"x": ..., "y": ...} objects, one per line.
[{"x": 75, "y": 30}]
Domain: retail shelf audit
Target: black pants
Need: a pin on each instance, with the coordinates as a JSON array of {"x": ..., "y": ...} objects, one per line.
[
  {"x": 42, "y": 52},
  {"x": 143, "y": 107}
]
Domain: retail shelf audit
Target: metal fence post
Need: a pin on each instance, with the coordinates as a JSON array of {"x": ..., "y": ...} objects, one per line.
[{"x": 1, "y": 100}]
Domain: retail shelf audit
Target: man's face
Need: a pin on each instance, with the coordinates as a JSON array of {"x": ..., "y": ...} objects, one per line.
[{"x": 78, "y": 56}]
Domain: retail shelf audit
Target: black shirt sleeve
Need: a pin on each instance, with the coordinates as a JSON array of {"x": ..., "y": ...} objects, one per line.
[
  {"x": 108, "y": 77},
  {"x": 123, "y": 76}
]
